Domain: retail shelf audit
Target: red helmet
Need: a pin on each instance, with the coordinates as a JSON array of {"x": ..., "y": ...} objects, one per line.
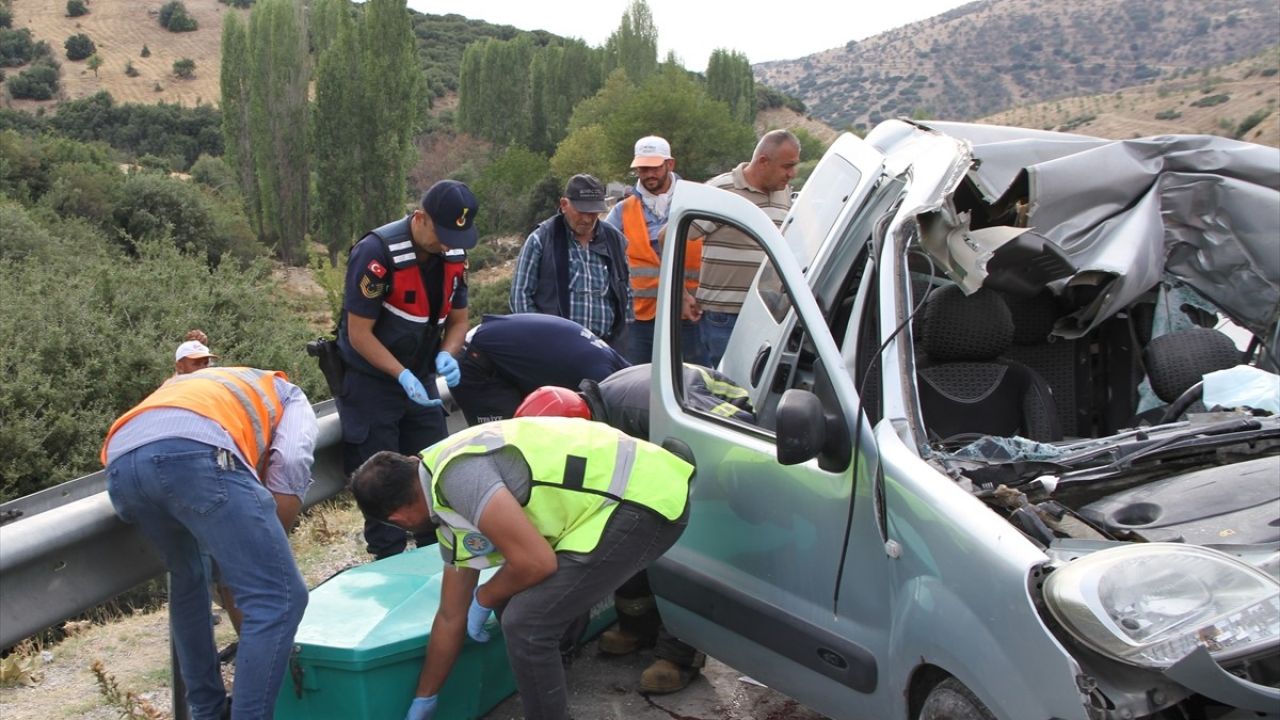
[{"x": 552, "y": 401}]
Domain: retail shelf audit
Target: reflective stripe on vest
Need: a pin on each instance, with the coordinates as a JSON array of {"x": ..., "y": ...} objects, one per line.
[
  {"x": 242, "y": 400},
  {"x": 645, "y": 263},
  {"x": 580, "y": 472}
]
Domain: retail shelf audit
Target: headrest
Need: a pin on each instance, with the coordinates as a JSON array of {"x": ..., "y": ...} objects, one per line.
[
  {"x": 959, "y": 328},
  {"x": 1181, "y": 359}
]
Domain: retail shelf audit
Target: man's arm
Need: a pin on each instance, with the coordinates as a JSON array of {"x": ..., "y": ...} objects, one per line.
[
  {"x": 529, "y": 557},
  {"x": 525, "y": 282},
  {"x": 360, "y": 333},
  {"x": 448, "y": 630},
  {"x": 455, "y": 331}
]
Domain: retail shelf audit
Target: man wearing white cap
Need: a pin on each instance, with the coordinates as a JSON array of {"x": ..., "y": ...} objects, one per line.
[
  {"x": 193, "y": 354},
  {"x": 642, "y": 218}
]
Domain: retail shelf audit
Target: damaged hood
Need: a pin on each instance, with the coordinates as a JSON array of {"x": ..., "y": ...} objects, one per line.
[{"x": 1201, "y": 210}]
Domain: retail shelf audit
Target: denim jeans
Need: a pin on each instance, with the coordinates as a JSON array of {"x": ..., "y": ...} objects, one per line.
[
  {"x": 716, "y": 328},
  {"x": 535, "y": 619},
  {"x": 184, "y": 502},
  {"x": 640, "y": 342}
]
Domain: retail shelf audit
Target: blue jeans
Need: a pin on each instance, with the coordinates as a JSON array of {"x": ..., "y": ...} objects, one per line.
[
  {"x": 184, "y": 502},
  {"x": 716, "y": 328},
  {"x": 640, "y": 342}
]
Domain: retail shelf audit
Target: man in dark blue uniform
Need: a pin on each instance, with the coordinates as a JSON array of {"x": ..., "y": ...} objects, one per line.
[
  {"x": 404, "y": 318},
  {"x": 506, "y": 357}
]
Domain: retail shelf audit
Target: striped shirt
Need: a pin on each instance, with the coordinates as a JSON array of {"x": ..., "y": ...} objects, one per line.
[
  {"x": 730, "y": 259},
  {"x": 292, "y": 444}
]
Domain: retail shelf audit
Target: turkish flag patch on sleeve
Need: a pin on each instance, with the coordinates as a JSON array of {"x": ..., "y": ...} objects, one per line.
[{"x": 377, "y": 269}]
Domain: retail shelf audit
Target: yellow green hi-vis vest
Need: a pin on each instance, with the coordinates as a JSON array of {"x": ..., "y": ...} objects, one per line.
[{"x": 580, "y": 471}]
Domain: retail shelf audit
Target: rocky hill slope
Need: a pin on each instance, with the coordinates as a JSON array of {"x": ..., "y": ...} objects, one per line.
[{"x": 991, "y": 55}]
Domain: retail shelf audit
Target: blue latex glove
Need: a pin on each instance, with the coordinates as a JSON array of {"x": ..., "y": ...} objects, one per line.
[
  {"x": 477, "y": 616},
  {"x": 448, "y": 368},
  {"x": 413, "y": 388},
  {"x": 423, "y": 708}
]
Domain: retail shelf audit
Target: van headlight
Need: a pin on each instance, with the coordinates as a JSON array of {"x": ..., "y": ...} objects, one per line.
[{"x": 1152, "y": 604}]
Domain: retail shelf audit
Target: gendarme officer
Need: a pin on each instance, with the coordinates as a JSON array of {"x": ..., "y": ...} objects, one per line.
[{"x": 404, "y": 319}]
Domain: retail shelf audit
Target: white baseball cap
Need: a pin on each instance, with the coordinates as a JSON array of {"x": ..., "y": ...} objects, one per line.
[
  {"x": 192, "y": 349},
  {"x": 651, "y": 151}
]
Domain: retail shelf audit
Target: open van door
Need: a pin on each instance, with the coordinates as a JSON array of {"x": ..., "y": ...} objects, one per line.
[{"x": 754, "y": 577}]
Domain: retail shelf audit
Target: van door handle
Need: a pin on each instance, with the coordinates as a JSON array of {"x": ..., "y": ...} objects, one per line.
[{"x": 757, "y": 367}]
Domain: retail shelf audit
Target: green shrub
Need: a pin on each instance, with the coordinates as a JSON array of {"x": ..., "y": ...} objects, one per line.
[
  {"x": 76, "y": 8},
  {"x": 6, "y": 17},
  {"x": 79, "y": 47},
  {"x": 16, "y": 47},
  {"x": 1211, "y": 100},
  {"x": 130, "y": 70},
  {"x": 175, "y": 18},
  {"x": 1251, "y": 122},
  {"x": 146, "y": 52},
  {"x": 492, "y": 298},
  {"x": 37, "y": 82},
  {"x": 1168, "y": 115},
  {"x": 184, "y": 68},
  {"x": 108, "y": 342}
]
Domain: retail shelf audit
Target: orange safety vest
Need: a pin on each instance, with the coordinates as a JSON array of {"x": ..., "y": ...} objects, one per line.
[
  {"x": 242, "y": 400},
  {"x": 644, "y": 262}
]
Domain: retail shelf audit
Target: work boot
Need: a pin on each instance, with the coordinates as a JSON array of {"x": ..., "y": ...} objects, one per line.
[
  {"x": 664, "y": 676},
  {"x": 618, "y": 641}
]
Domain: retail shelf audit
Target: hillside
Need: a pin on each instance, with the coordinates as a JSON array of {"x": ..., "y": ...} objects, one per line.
[
  {"x": 1219, "y": 101},
  {"x": 991, "y": 55},
  {"x": 120, "y": 29}
]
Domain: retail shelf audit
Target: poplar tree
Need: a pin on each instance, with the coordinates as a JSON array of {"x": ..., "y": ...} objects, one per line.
[
  {"x": 634, "y": 45},
  {"x": 236, "y": 135},
  {"x": 278, "y": 110},
  {"x": 396, "y": 96},
  {"x": 339, "y": 102},
  {"x": 729, "y": 79}
]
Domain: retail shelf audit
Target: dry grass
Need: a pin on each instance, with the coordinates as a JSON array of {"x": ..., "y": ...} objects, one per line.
[
  {"x": 134, "y": 650},
  {"x": 120, "y": 30},
  {"x": 1132, "y": 112}
]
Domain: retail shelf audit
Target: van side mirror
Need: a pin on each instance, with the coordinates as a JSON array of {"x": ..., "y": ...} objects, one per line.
[{"x": 806, "y": 431}]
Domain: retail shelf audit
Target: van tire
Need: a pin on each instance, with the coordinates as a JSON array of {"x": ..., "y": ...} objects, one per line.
[{"x": 951, "y": 700}]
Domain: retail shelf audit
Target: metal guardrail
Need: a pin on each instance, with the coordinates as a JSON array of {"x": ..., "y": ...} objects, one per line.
[{"x": 64, "y": 551}]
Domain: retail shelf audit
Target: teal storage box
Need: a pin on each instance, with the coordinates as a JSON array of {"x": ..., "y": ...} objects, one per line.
[{"x": 360, "y": 646}]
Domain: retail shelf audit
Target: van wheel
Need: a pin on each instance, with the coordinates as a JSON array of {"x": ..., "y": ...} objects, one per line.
[{"x": 951, "y": 700}]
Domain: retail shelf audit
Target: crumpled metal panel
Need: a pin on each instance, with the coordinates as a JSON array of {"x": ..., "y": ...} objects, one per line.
[{"x": 1204, "y": 209}]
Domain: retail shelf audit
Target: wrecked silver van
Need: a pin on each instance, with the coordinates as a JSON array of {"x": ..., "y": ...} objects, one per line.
[{"x": 1016, "y": 451}]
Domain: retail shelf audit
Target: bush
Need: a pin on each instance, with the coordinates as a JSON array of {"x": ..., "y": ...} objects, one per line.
[
  {"x": 130, "y": 70},
  {"x": 6, "y": 17},
  {"x": 146, "y": 52},
  {"x": 1251, "y": 122},
  {"x": 174, "y": 17},
  {"x": 38, "y": 82},
  {"x": 493, "y": 298},
  {"x": 1211, "y": 100},
  {"x": 1168, "y": 115},
  {"x": 184, "y": 68},
  {"x": 109, "y": 341},
  {"x": 76, "y": 8},
  {"x": 79, "y": 47},
  {"x": 16, "y": 47}
]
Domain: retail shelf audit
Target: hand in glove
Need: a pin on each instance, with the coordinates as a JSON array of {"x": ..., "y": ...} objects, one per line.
[
  {"x": 448, "y": 368},
  {"x": 477, "y": 615},
  {"x": 413, "y": 388},
  {"x": 423, "y": 708}
]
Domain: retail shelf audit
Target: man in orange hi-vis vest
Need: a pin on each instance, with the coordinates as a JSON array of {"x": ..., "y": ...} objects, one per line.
[
  {"x": 642, "y": 218},
  {"x": 201, "y": 465}
]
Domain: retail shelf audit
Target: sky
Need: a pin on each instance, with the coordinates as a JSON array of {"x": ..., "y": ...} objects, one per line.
[{"x": 778, "y": 30}]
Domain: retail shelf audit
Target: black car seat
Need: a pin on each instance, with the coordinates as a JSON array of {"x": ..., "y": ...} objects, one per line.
[
  {"x": 1056, "y": 359},
  {"x": 1177, "y": 363},
  {"x": 966, "y": 387}
]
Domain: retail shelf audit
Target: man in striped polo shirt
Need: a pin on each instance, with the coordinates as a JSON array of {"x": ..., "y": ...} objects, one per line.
[{"x": 730, "y": 258}]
